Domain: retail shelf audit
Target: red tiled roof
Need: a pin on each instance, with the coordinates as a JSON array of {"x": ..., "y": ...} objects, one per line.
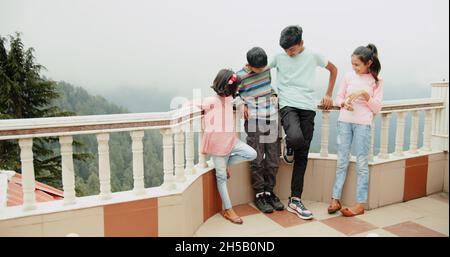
[{"x": 44, "y": 193}]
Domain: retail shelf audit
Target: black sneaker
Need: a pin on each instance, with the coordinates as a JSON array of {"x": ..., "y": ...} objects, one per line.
[
  {"x": 296, "y": 206},
  {"x": 288, "y": 155},
  {"x": 274, "y": 201},
  {"x": 262, "y": 204}
]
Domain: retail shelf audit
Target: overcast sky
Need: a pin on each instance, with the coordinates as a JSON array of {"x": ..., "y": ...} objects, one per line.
[{"x": 178, "y": 45}]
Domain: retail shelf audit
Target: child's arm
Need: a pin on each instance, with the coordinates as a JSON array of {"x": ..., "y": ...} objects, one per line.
[
  {"x": 327, "y": 100},
  {"x": 274, "y": 93},
  {"x": 273, "y": 63},
  {"x": 375, "y": 102},
  {"x": 341, "y": 95},
  {"x": 239, "y": 102},
  {"x": 341, "y": 99}
]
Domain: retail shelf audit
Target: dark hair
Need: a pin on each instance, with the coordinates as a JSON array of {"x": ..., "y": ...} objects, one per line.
[
  {"x": 221, "y": 83},
  {"x": 256, "y": 57},
  {"x": 290, "y": 36},
  {"x": 369, "y": 53}
]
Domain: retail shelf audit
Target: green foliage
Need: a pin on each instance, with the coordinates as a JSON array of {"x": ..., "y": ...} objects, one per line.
[{"x": 25, "y": 94}]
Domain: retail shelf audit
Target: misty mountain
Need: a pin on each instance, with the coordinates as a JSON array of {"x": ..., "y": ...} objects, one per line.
[{"x": 140, "y": 99}]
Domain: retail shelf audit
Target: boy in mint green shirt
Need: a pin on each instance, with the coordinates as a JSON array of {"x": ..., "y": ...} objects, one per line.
[{"x": 296, "y": 69}]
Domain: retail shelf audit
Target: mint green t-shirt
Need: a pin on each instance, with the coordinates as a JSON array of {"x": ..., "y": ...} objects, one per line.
[{"x": 295, "y": 78}]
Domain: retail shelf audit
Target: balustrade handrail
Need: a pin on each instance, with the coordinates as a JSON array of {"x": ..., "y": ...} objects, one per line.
[
  {"x": 76, "y": 125},
  {"x": 404, "y": 105}
]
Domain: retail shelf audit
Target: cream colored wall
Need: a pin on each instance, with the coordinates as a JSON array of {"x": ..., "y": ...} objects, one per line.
[
  {"x": 386, "y": 185},
  {"x": 83, "y": 222},
  {"x": 437, "y": 164},
  {"x": 283, "y": 183},
  {"x": 28, "y": 226},
  {"x": 170, "y": 211},
  {"x": 181, "y": 214},
  {"x": 327, "y": 171},
  {"x": 240, "y": 185},
  {"x": 318, "y": 181},
  {"x": 193, "y": 201}
]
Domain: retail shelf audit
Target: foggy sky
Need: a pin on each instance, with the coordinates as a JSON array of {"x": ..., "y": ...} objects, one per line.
[{"x": 179, "y": 45}]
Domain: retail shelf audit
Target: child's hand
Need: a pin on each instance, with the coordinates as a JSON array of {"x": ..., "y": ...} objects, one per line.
[
  {"x": 353, "y": 96},
  {"x": 361, "y": 93},
  {"x": 327, "y": 102},
  {"x": 244, "y": 111},
  {"x": 274, "y": 100},
  {"x": 347, "y": 105}
]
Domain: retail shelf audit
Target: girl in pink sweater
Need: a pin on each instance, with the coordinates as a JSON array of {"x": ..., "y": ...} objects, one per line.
[
  {"x": 359, "y": 97},
  {"x": 219, "y": 137}
]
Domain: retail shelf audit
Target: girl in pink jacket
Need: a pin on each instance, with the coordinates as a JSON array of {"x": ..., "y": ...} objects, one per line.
[
  {"x": 359, "y": 97},
  {"x": 219, "y": 137}
]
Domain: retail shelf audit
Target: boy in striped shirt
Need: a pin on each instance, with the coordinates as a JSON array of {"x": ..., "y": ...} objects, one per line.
[{"x": 260, "y": 111}]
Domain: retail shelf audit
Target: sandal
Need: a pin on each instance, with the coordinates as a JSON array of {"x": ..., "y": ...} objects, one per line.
[
  {"x": 236, "y": 219},
  {"x": 346, "y": 212},
  {"x": 332, "y": 210}
]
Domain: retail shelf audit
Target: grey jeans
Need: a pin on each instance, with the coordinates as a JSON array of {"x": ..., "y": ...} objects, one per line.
[{"x": 262, "y": 135}]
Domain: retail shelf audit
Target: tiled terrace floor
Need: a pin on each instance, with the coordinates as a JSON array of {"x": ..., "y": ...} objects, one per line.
[{"x": 427, "y": 216}]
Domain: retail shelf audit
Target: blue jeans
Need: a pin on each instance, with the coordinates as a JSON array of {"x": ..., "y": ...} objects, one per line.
[
  {"x": 241, "y": 152},
  {"x": 360, "y": 135}
]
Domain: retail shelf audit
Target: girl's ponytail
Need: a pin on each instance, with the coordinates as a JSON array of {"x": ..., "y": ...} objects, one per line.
[{"x": 375, "y": 68}]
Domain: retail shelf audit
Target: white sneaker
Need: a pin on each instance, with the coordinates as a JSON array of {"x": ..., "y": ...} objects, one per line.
[{"x": 296, "y": 206}]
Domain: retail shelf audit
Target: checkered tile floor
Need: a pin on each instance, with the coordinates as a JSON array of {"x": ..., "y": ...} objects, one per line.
[{"x": 427, "y": 216}]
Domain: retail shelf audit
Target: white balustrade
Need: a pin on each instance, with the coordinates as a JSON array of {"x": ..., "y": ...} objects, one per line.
[
  {"x": 190, "y": 149},
  {"x": 68, "y": 174},
  {"x": 138, "y": 161},
  {"x": 413, "y": 141},
  {"x": 28, "y": 182},
  {"x": 427, "y": 130},
  {"x": 104, "y": 166},
  {"x": 168, "y": 183},
  {"x": 399, "y": 139},
  {"x": 201, "y": 157},
  {"x": 384, "y": 135},
  {"x": 440, "y": 122},
  {"x": 179, "y": 155}
]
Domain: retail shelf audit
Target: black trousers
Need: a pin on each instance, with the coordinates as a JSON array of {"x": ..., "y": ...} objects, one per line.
[
  {"x": 298, "y": 125},
  {"x": 262, "y": 135}
]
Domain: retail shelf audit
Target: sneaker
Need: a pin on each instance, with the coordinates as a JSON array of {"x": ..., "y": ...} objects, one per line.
[
  {"x": 288, "y": 155},
  {"x": 262, "y": 204},
  {"x": 296, "y": 206},
  {"x": 274, "y": 201}
]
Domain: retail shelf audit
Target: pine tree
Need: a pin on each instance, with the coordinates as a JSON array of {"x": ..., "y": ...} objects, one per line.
[{"x": 25, "y": 94}]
